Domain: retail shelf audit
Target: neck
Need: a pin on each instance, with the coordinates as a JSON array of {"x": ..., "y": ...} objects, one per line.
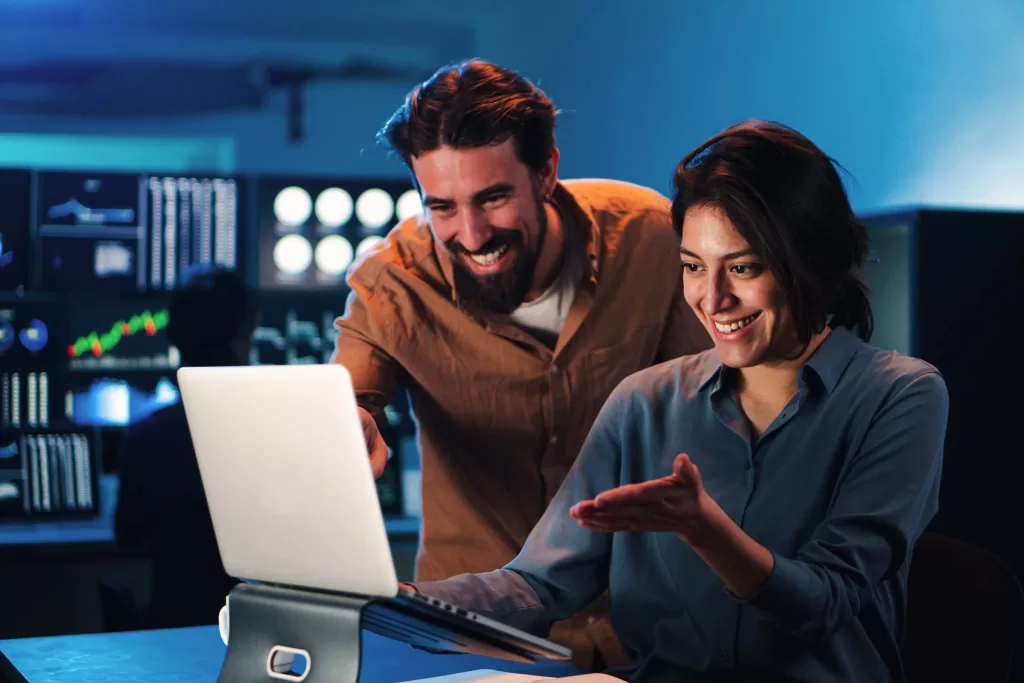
[
  {"x": 549, "y": 262},
  {"x": 777, "y": 380}
]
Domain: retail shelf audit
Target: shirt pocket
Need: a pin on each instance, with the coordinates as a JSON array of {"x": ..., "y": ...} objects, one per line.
[{"x": 602, "y": 369}]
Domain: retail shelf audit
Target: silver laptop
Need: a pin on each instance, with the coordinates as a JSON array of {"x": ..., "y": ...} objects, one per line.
[{"x": 293, "y": 501}]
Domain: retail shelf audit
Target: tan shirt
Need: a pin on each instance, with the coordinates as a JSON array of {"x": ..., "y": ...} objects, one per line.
[{"x": 501, "y": 415}]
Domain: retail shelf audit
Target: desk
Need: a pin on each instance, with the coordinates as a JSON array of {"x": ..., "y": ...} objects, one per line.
[{"x": 195, "y": 655}]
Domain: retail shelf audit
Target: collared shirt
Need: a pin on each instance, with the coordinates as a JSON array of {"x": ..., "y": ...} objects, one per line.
[
  {"x": 839, "y": 487},
  {"x": 501, "y": 416}
]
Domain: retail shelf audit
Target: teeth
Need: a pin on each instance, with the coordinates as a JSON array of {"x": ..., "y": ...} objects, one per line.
[
  {"x": 733, "y": 326},
  {"x": 491, "y": 257}
]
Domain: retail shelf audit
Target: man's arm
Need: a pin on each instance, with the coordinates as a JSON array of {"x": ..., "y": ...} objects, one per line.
[
  {"x": 363, "y": 336},
  {"x": 360, "y": 347},
  {"x": 563, "y": 567}
]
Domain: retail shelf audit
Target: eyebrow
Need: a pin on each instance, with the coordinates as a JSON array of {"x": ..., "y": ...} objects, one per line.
[
  {"x": 496, "y": 188},
  {"x": 728, "y": 257}
]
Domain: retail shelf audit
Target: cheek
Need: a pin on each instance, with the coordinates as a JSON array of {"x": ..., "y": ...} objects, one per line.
[{"x": 443, "y": 228}]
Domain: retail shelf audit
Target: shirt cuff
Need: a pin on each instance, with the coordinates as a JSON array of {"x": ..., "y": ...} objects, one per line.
[{"x": 788, "y": 594}]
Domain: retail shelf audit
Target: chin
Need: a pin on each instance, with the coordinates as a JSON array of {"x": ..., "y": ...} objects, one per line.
[{"x": 738, "y": 358}]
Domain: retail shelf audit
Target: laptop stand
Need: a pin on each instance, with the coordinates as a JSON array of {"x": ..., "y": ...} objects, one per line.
[{"x": 271, "y": 629}]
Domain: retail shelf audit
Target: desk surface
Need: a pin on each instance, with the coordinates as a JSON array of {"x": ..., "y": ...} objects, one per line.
[{"x": 195, "y": 655}]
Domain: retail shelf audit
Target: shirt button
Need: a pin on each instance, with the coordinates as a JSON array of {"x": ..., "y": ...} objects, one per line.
[
  {"x": 590, "y": 621},
  {"x": 723, "y": 656},
  {"x": 553, "y": 440},
  {"x": 553, "y": 368}
]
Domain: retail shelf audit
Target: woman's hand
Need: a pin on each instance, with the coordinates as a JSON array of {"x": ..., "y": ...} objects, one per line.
[{"x": 676, "y": 503}]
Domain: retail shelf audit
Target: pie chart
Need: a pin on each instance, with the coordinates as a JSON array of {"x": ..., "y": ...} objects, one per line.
[{"x": 35, "y": 336}]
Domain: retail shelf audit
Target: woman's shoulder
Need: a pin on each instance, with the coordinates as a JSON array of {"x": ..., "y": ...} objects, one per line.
[{"x": 893, "y": 370}]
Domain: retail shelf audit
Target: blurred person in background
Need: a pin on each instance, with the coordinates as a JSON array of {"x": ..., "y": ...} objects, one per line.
[{"x": 161, "y": 506}]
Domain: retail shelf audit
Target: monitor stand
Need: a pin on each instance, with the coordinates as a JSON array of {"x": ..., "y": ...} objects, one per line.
[{"x": 292, "y": 635}]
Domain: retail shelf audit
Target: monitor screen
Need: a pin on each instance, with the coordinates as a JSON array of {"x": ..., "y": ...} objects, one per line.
[
  {"x": 15, "y": 219},
  {"x": 120, "y": 362},
  {"x": 112, "y": 233},
  {"x": 33, "y": 335},
  {"x": 295, "y": 330},
  {"x": 311, "y": 230},
  {"x": 47, "y": 474}
]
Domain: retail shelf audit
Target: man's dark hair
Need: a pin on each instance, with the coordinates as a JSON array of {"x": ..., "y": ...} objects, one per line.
[
  {"x": 473, "y": 104},
  {"x": 785, "y": 197},
  {"x": 211, "y": 308}
]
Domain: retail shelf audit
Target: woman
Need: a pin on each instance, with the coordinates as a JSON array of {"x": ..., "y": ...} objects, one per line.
[{"x": 752, "y": 509}]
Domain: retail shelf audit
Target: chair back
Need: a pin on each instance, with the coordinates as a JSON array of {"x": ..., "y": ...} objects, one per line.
[{"x": 964, "y": 611}]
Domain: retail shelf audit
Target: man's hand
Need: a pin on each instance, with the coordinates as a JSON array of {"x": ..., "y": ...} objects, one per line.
[
  {"x": 374, "y": 443},
  {"x": 676, "y": 503}
]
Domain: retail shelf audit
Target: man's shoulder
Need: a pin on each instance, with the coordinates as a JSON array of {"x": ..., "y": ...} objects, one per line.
[
  {"x": 407, "y": 248},
  {"x": 616, "y": 197}
]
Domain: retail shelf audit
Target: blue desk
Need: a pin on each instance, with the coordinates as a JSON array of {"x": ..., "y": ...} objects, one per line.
[{"x": 195, "y": 655}]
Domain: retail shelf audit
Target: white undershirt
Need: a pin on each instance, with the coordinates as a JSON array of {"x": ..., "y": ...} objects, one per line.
[{"x": 545, "y": 316}]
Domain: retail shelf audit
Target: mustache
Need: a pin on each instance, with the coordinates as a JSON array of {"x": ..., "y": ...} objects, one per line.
[{"x": 510, "y": 238}]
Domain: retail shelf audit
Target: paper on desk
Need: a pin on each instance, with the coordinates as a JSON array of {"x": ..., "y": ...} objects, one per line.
[
  {"x": 482, "y": 676},
  {"x": 492, "y": 676}
]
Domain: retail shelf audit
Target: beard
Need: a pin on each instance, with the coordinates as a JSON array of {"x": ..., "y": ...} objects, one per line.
[{"x": 502, "y": 292}]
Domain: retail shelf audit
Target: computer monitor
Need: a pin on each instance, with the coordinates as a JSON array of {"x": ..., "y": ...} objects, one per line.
[
  {"x": 15, "y": 222},
  {"x": 47, "y": 474},
  {"x": 120, "y": 362},
  {"x": 118, "y": 233},
  {"x": 33, "y": 336},
  {"x": 311, "y": 229}
]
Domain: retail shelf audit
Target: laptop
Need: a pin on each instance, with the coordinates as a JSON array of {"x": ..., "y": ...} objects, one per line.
[{"x": 291, "y": 494}]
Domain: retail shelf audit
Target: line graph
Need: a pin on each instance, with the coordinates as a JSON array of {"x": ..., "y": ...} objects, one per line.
[{"x": 98, "y": 343}]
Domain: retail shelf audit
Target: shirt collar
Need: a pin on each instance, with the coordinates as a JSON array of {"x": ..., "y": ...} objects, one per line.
[{"x": 827, "y": 362}]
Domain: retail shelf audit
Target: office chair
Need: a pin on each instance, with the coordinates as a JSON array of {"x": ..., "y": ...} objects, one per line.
[{"x": 964, "y": 612}]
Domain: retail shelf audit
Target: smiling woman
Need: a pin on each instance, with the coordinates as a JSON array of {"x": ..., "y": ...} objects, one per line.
[{"x": 751, "y": 509}]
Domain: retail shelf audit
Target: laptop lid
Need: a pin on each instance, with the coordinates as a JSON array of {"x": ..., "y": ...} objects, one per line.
[{"x": 287, "y": 476}]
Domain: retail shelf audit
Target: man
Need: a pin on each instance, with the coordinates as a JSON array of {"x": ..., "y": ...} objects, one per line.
[
  {"x": 161, "y": 504},
  {"x": 510, "y": 310}
]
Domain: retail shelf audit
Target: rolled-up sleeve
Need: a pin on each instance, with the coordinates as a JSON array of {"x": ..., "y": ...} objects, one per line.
[
  {"x": 886, "y": 498},
  {"x": 562, "y": 567},
  {"x": 360, "y": 347}
]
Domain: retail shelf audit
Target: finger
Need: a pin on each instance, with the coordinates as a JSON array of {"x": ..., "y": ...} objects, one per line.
[
  {"x": 581, "y": 507},
  {"x": 378, "y": 457},
  {"x": 684, "y": 471},
  {"x": 653, "y": 490},
  {"x": 609, "y": 528},
  {"x": 627, "y": 527},
  {"x": 662, "y": 517}
]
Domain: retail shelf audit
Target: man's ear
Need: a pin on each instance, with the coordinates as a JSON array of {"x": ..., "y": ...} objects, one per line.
[{"x": 548, "y": 175}]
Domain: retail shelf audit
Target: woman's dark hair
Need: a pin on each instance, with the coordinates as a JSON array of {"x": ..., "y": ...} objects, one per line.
[
  {"x": 210, "y": 309},
  {"x": 474, "y": 104},
  {"x": 785, "y": 197}
]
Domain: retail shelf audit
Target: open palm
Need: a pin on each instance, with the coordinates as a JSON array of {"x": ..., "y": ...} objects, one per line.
[{"x": 676, "y": 503}]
